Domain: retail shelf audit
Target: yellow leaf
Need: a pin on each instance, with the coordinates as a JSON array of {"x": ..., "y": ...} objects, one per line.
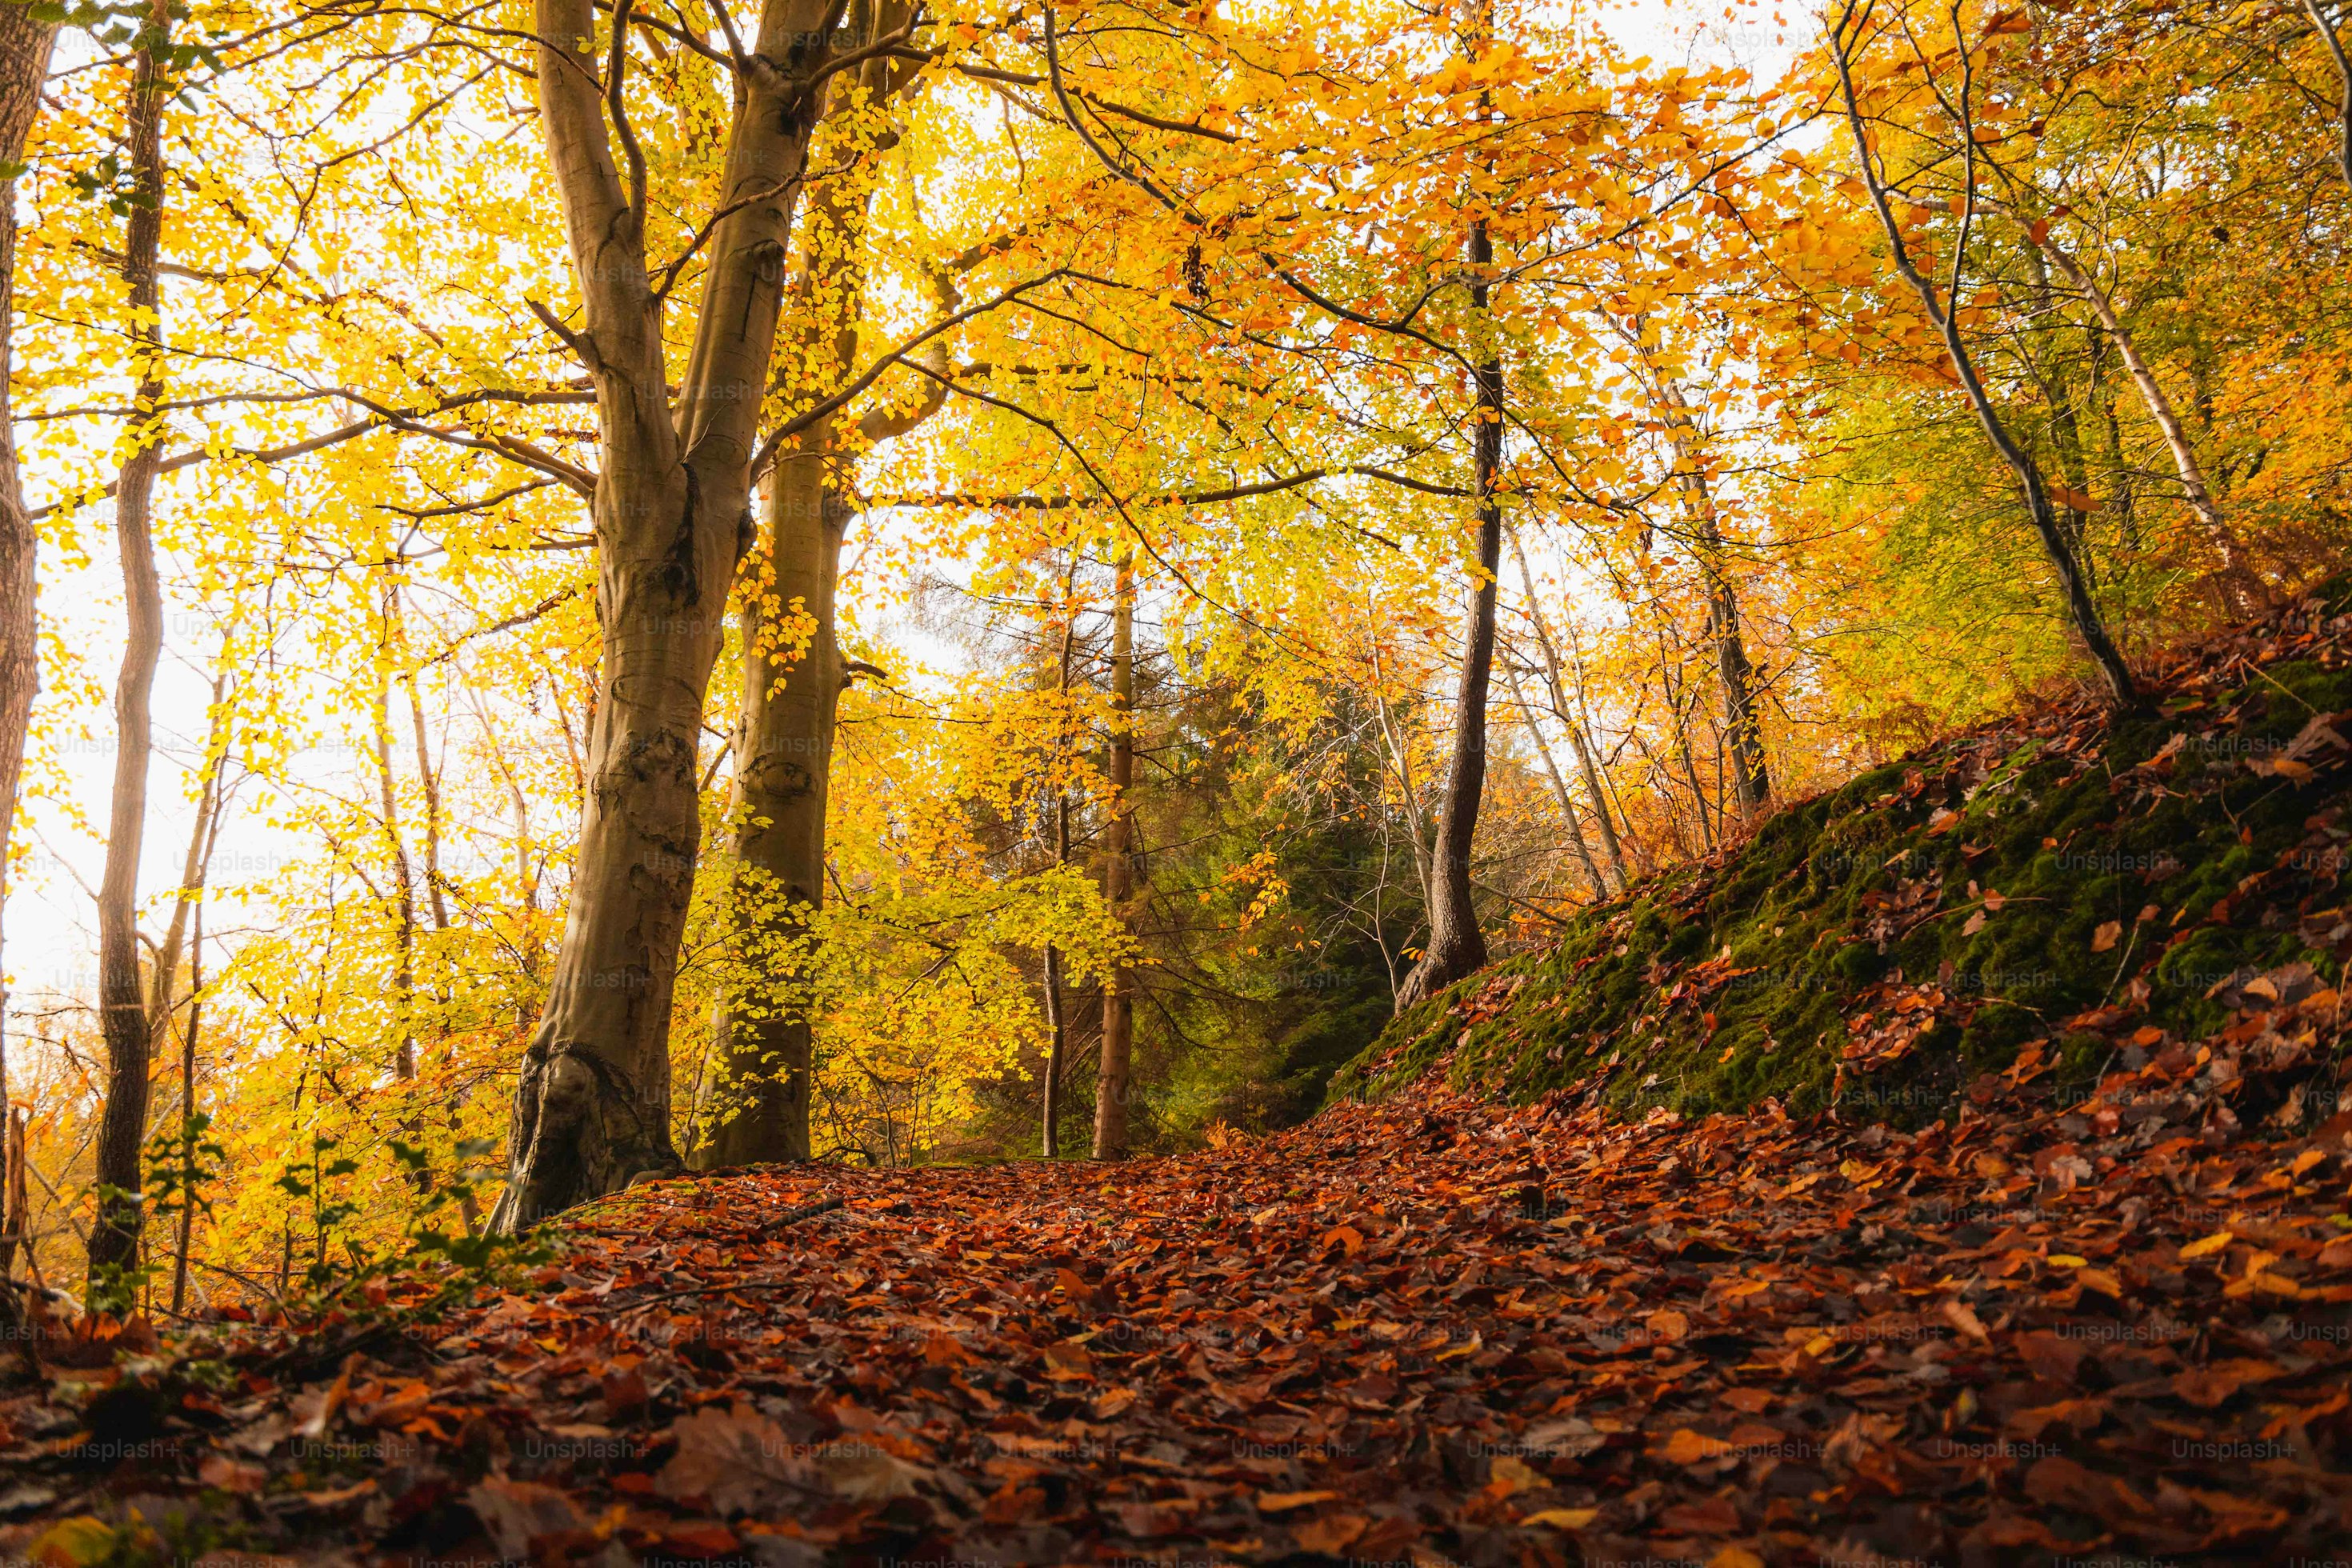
[
  {"x": 1514, "y": 1475},
  {"x": 2207, "y": 1247},
  {"x": 1563, "y": 1517},
  {"x": 74, "y": 1543}
]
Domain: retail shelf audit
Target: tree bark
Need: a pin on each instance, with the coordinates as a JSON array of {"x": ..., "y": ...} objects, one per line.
[
  {"x": 121, "y": 998},
  {"x": 403, "y": 876},
  {"x": 1456, "y": 945},
  {"x": 24, "y": 46},
  {"x": 1114, "y": 1071},
  {"x": 2065, "y": 425},
  {"x": 672, "y": 518},
  {"x": 760, "y": 1089},
  {"x": 188, "y": 1174},
  {"x": 2088, "y": 625},
  {"x": 2241, "y": 585},
  {"x": 2335, "y": 44},
  {"x": 762, "y": 1082},
  {"x": 1057, "y": 1024}
]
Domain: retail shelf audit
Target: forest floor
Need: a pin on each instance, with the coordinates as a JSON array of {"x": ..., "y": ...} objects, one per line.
[
  {"x": 1422, "y": 1331},
  {"x": 2095, "y": 1306}
]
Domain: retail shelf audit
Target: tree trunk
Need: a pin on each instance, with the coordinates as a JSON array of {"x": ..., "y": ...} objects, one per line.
[
  {"x": 24, "y": 46},
  {"x": 121, "y": 998},
  {"x": 1559, "y": 787},
  {"x": 761, "y": 1084},
  {"x": 1058, "y": 1042},
  {"x": 2065, "y": 425},
  {"x": 1736, "y": 672},
  {"x": 672, "y": 518},
  {"x": 188, "y": 1174},
  {"x": 1114, "y": 1069},
  {"x": 403, "y": 876},
  {"x": 759, "y": 1091},
  {"x": 1586, "y": 764},
  {"x": 2083, "y": 611},
  {"x": 1456, "y": 945},
  {"x": 2241, "y": 585},
  {"x": 2344, "y": 76}
]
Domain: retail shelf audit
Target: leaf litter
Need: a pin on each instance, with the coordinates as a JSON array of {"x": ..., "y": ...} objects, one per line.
[{"x": 1428, "y": 1330}]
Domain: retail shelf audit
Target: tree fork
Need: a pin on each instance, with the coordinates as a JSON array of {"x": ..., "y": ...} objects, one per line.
[{"x": 672, "y": 518}]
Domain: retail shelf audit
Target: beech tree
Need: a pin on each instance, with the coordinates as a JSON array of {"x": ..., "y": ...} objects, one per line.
[{"x": 671, "y": 504}]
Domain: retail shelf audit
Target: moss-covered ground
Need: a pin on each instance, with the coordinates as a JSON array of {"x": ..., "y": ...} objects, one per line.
[{"x": 2041, "y": 882}]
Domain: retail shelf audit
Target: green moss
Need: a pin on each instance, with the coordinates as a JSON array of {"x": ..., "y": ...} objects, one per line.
[{"x": 2072, "y": 847}]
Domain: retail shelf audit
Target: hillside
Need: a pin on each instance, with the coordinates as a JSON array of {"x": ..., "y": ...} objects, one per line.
[{"x": 2063, "y": 892}]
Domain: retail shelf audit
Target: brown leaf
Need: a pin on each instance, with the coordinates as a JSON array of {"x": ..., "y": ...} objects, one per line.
[
  {"x": 2209, "y": 1387},
  {"x": 735, "y": 1457},
  {"x": 517, "y": 1514},
  {"x": 232, "y": 1475},
  {"x": 1328, "y": 1533}
]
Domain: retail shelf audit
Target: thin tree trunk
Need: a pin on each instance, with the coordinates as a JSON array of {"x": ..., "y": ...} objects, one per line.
[
  {"x": 1401, "y": 756},
  {"x": 2344, "y": 75},
  {"x": 2242, "y": 584},
  {"x": 1056, "y": 1022},
  {"x": 122, "y": 1001},
  {"x": 194, "y": 865},
  {"x": 24, "y": 45},
  {"x": 2084, "y": 614},
  {"x": 13, "y": 1161},
  {"x": 1751, "y": 781},
  {"x": 758, "y": 1095},
  {"x": 1559, "y": 786},
  {"x": 1585, "y": 763},
  {"x": 188, "y": 1174},
  {"x": 672, "y": 518},
  {"x": 1735, "y": 672},
  {"x": 1456, "y": 945},
  {"x": 431, "y": 780},
  {"x": 1114, "y": 1070},
  {"x": 403, "y": 877},
  {"x": 2066, "y": 426}
]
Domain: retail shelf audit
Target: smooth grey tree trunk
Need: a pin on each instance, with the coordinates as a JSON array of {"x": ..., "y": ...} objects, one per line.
[
  {"x": 672, "y": 518},
  {"x": 114, "y": 1233},
  {"x": 1114, "y": 1070}
]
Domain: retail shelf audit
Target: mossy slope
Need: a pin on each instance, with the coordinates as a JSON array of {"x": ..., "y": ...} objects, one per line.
[{"x": 2047, "y": 878}]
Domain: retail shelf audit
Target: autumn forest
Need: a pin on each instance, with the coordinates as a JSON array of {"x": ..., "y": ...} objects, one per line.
[{"x": 746, "y": 612}]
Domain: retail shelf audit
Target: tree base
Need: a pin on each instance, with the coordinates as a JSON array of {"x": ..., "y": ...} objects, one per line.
[{"x": 580, "y": 1131}]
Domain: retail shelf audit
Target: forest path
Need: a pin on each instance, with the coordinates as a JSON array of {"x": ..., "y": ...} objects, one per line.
[{"x": 1423, "y": 1330}]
